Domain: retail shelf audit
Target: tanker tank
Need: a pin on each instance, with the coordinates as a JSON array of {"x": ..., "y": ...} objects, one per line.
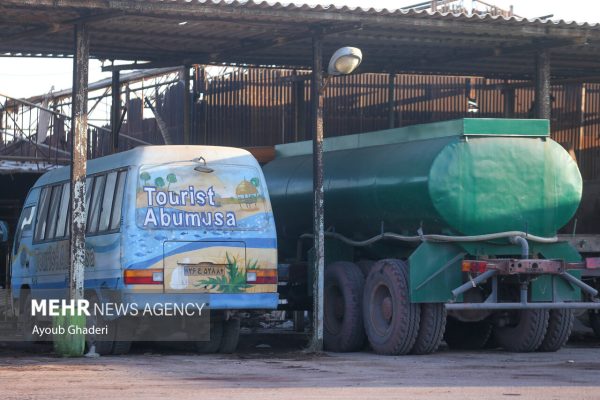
[{"x": 461, "y": 177}]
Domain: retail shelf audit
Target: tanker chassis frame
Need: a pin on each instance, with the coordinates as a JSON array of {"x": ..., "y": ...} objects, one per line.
[{"x": 479, "y": 286}]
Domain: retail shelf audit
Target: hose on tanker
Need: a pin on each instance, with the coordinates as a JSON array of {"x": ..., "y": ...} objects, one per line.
[{"x": 436, "y": 238}]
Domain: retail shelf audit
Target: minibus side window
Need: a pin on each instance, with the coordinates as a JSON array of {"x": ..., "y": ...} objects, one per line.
[
  {"x": 95, "y": 204},
  {"x": 61, "y": 226},
  {"x": 53, "y": 212},
  {"x": 107, "y": 201},
  {"x": 118, "y": 204},
  {"x": 40, "y": 225},
  {"x": 24, "y": 227}
]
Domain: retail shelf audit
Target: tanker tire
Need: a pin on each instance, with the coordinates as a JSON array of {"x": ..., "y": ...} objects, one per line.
[
  {"x": 343, "y": 316},
  {"x": 527, "y": 335},
  {"x": 461, "y": 335},
  {"x": 391, "y": 320},
  {"x": 560, "y": 324},
  {"x": 216, "y": 336},
  {"x": 594, "y": 316},
  {"x": 231, "y": 336},
  {"x": 431, "y": 328}
]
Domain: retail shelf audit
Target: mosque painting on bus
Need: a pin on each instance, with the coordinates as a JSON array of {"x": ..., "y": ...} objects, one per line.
[{"x": 191, "y": 197}]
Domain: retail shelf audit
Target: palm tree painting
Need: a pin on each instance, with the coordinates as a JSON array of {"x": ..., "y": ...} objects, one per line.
[
  {"x": 159, "y": 182},
  {"x": 145, "y": 177},
  {"x": 171, "y": 178}
]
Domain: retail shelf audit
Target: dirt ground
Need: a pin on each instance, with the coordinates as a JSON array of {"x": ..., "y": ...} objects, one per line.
[{"x": 274, "y": 367}]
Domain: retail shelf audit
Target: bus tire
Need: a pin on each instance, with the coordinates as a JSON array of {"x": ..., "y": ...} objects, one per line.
[
  {"x": 124, "y": 329},
  {"x": 102, "y": 347},
  {"x": 25, "y": 320},
  {"x": 431, "y": 328},
  {"x": 460, "y": 335},
  {"x": 216, "y": 336},
  {"x": 391, "y": 320},
  {"x": 231, "y": 336},
  {"x": 527, "y": 334},
  {"x": 560, "y": 324},
  {"x": 343, "y": 328}
]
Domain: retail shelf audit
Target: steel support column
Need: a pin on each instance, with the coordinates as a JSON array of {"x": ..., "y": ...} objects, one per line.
[
  {"x": 187, "y": 106},
  {"x": 316, "y": 97},
  {"x": 78, "y": 161},
  {"x": 391, "y": 101},
  {"x": 542, "y": 84},
  {"x": 115, "y": 111}
]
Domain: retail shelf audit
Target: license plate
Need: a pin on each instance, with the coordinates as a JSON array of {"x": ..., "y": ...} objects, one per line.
[{"x": 204, "y": 269}]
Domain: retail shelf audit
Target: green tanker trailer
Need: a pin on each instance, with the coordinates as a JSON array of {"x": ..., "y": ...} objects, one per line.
[{"x": 439, "y": 230}]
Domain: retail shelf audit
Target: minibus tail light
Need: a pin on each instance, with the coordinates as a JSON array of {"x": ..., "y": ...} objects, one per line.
[
  {"x": 143, "y": 276},
  {"x": 261, "y": 276}
]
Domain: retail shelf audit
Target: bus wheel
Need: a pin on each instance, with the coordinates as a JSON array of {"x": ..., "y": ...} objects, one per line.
[
  {"x": 216, "y": 336},
  {"x": 431, "y": 328},
  {"x": 231, "y": 336},
  {"x": 391, "y": 320},
  {"x": 124, "y": 329},
  {"x": 526, "y": 333},
  {"x": 25, "y": 320},
  {"x": 103, "y": 344},
  {"x": 343, "y": 317},
  {"x": 461, "y": 335},
  {"x": 560, "y": 324}
]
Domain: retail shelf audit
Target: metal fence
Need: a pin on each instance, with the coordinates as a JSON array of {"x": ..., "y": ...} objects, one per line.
[{"x": 261, "y": 107}]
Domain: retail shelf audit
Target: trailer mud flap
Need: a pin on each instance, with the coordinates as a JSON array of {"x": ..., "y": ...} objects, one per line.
[
  {"x": 434, "y": 272},
  {"x": 555, "y": 288}
]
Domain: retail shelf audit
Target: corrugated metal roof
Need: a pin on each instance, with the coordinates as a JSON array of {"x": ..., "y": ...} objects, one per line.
[{"x": 279, "y": 34}]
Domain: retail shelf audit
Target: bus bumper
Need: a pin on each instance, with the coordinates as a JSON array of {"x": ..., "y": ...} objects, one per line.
[{"x": 238, "y": 301}]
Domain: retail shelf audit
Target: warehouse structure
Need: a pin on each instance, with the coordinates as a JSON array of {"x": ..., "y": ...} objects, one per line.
[{"x": 157, "y": 33}]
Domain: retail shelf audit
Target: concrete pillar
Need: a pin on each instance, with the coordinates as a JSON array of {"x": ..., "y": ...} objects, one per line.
[
  {"x": 79, "y": 126},
  {"x": 316, "y": 99}
]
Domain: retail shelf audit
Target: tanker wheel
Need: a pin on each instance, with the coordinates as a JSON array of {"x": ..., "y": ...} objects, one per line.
[
  {"x": 431, "y": 328},
  {"x": 343, "y": 315},
  {"x": 560, "y": 324},
  {"x": 461, "y": 335},
  {"x": 391, "y": 320},
  {"x": 526, "y": 333},
  {"x": 365, "y": 266},
  {"x": 595, "y": 321},
  {"x": 216, "y": 336}
]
